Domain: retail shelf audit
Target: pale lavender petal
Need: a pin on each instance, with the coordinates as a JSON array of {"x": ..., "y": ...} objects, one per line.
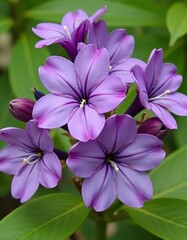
[
  {"x": 73, "y": 19},
  {"x": 50, "y": 170},
  {"x": 39, "y": 137},
  {"x": 98, "y": 13},
  {"x": 58, "y": 76},
  {"x": 16, "y": 136},
  {"x": 85, "y": 158},
  {"x": 86, "y": 123},
  {"x": 99, "y": 191},
  {"x": 133, "y": 187},
  {"x": 52, "y": 111},
  {"x": 108, "y": 95},
  {"x": 97, "y": 34},
  {"x": 143, "y": 154},
  {"x": 174, "y": 102},
  {"x": 118, "y": 132},
  {"x": 164, "y": 116},
  {"x": 49, "y": 30},
  {"x": 123, "y": 70},
  {"x": 48, "y": 42},
  {"x": 92, "y": 66},
  {"x": 120, "y": 46},
  {"x": 11, "y": 158},
  {"x": 25, "y": 184},
  {"x": 153, "y": 68}
]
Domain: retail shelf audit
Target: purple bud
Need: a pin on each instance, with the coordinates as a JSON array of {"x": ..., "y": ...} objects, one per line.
[
  {"x": 153, "y": 126},
  {"x": 21, "y": 108},
  {"x": 37, "y": 94}
]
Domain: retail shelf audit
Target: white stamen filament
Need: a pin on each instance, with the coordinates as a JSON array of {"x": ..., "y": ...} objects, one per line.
[
  {"x": 27, "y": 160},
  {"x": 164, "y": 94},
  {"x": 110, "y": 67},
  {"x": 114, "y": 165},
  {"x": 83, "y": 102},
  {"x": 66, "y": 30}
]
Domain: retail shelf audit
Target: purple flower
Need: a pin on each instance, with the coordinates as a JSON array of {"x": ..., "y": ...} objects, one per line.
[
  {"x": 81, "y": 93},
  {"x": 157, "y": 85},
  {"x": 69, "y": 33},
  {"x": 30, "y": 157},
  {"x": 114, "y": 164},
  {"x": 120, "y": 47}
]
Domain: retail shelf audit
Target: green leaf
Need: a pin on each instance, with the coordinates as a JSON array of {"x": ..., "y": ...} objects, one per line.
[
  {"x": 54, "y": 216},
  {"x": 170, "y": 178},
  {"x": 24, "y": 65},
  {"x": 5, "y": 24},
  {"x": 166, "y": 218},
  {"x": 177, "y": 21},
  {"x": 118, "y": 14}
]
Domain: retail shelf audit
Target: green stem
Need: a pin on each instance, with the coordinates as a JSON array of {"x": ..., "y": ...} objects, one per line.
[{"x": 100, "y": 230}]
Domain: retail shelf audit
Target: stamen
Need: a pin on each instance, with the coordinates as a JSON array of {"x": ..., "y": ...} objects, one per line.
[
  {"x": 66, "y": 30},
  {"x": 114, "y": 165},
  {"x": 110, "y": 67},
  {"x": 164, "y": 94},
  {"x": 82, "y": 103},
  {"x": 28, "y": 159}
]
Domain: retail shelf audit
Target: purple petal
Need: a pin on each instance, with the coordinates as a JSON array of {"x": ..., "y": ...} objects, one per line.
[
  {"x": 92, "y": 66},
  {"x": 123, "y": 70},
  {"x": 58, "y": 76},
  {"x": 97, "y": 34},
  {"x": 118, "y": 132},
  {"x": 39, "y": 137},
  {"x": 26, "y": 183},
  {"x": 98, "y": 13},
  {"x": 143, "y": 154},
  {"x": 50, "y": 170},
  {"x": 164, "y": 116},
  {"x": 133, "y": 187},
  {"x": 16, "y": 136},
  {"x": 86, "y": 123},
  {"x": 153, "y": 68},
  {"x": 85, "y": 158},
  {"x": 48, "y": 42},
  {"x": 174, "y": 102},
  {"x": 99, "y": 191},
  {"x": 120, "y": 46},
  {"x": 11, "y": 158},
  {"x": 108, "y": 95},
  {"x": 48, "y": 30},
  {"x": 53, "y": 111}
]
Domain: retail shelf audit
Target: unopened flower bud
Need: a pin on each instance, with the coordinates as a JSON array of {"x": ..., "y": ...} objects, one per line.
[
  {"x": 21, "y": 108},
  {"x": 37, "y": 94},
  {"x": 153, "y": 126}
]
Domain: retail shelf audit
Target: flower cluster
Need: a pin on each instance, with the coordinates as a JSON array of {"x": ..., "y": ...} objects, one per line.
[{"x": 113, "y": 152}]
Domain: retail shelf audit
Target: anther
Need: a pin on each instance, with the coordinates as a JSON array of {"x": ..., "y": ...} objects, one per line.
[
  {"x": 114, "y": 165},
  {"x": 110, "y": 67},
  {"x": 164, "y": 94},
  {"x": 66, "y": 30}
]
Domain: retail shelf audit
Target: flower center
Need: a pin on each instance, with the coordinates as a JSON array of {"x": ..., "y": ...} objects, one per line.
[
  {"x": 82, "y": 102},
  {"x": 33, "y": 158},
  {"x": 164, "y": 94},
  {"x": 113, "y": 164},
  {"x": 66, "y": 30},
  {"x": 110, "y": 67}
]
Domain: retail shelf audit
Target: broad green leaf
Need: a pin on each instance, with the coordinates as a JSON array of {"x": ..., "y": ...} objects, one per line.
[
  {"x": 166, "y": 218},
  {"x": 54, "y": 216},
  {"x": 118, "y": 14},
  {"x": 5, "y": 24},
  {"x": 170, "y": 177},
  {"x": 24, "y": 65},
  {"x": 177, "y": 21}
]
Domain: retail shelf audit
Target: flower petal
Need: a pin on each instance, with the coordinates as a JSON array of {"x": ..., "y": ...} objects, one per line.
[
  {"x": 48, "y": 30},
  {"x": 123, "y": 132},
  {"x": 120, "y": 46},
  {"x": 99, "y": 191},
  {"x": 86, "y": 123},
  {"x": 50, "y": 170},
  {"x": 25, "y": 184},
  {"x": 39, "y": 137},
  {"x": 11, "y": 158},
  {"x": 98, "y": 13},
  {"x": 85, "y": 158},
  {"x": 133, "y": 187},
  {"x": 58, "y": 76},
  {"x": 164, "y": 116},
  {"x": 92, "y": 66},
  {"x": 143, "y": 154},
  {"x": 108, "y": 95},
  {"x": 53, "y": 111}
]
